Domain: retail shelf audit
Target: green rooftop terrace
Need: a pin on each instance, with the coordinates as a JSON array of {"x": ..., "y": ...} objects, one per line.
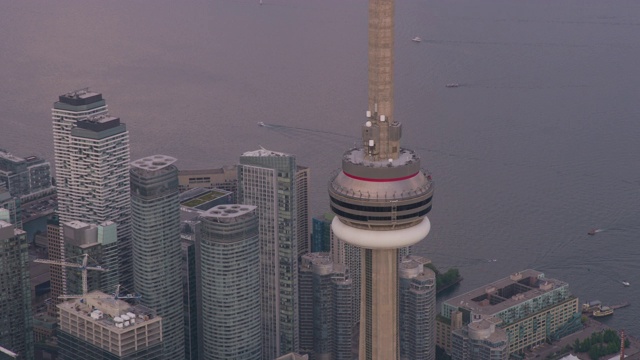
[{"x": 211, "y": 195}]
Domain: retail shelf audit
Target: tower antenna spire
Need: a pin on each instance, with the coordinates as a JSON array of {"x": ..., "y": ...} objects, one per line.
[{"x": 381, "y": 133}]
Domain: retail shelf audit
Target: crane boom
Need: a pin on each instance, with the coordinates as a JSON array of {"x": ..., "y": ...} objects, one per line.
[{"x": 83, "y": 267}]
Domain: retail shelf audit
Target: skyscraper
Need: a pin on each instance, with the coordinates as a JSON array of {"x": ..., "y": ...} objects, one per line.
[
  {"x": 57, "y": 273},
  {"x": 417, "y": 309},
  {"x": 92, "y": 169},
  {"x": 325, "y": 308},
  {"x": 228, "y": 261},
  {"x": 157, "y": 252},
  {"x": 273, "y": 182},
  {"x": 16, "y": 322},
  {"x": 381, "y": 197}
]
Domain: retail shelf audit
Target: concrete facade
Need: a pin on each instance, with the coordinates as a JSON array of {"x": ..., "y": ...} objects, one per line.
[{"x": 92, "y": 164}]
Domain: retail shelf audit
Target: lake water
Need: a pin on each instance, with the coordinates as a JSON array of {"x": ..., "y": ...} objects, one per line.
[{"x": 537, "y": 145}]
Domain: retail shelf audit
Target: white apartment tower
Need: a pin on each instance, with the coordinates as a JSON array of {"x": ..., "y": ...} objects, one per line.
[{"x": 92, "y": 169}]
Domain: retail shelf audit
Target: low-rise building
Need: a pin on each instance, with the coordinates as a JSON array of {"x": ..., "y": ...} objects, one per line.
[{"x": 530, "y": 307}]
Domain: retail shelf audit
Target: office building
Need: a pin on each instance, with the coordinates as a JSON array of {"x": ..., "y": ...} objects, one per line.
[
  {"x": 100, "y": 243},
  {"x": 225, "y": 178},
  {"x": 205, "y": 198},
  {"x": 57, "y": 273},
  {"x": 12, "y": 205},
  {"x": 381, "y": 196},
  {"x": 321, "y": 232},
  {"x": 26, "y": 178},
  {"x": 228, "y": 260},
  {"x": 302, "y": 181},
  {"x": 530, "y": 307},
  {"x": 190, "y": 298},
  {"x": 157, "y": 253},
  {"x": 325, "y": 307},
  {"x": 102, "y": 327},
  {"x": 16, "y": 322},
  {"x": 417, "y": 309},
  {"x": 92, "y": 168},
  {"x": 189, "y": 228},
  {"x": 274, "y": 183}
]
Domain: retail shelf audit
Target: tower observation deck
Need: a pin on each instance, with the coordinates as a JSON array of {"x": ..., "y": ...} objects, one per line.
[{"x": 381, "y": 196}]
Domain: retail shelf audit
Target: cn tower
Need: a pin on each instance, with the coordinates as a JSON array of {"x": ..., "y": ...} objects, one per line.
[{"x": 381, "y": 196}]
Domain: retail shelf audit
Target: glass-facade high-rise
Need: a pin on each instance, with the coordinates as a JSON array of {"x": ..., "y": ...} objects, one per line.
[
  {"x": 274, "y": 183},
  {"x": 16, "y": 322},
  {"x": 157, "y": 253},
  {"x": 228, "y": 260},
  {"x": 417, "y": 313},
  {"x": 326, "y": 295},
  {"x": 99, "y": 242}
]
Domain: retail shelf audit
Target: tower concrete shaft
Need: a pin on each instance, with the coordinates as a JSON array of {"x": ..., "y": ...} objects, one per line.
[{"x": 381, "y": 197}]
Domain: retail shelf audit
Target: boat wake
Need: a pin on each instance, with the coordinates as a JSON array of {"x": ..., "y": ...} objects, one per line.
[{"x": 595, "y": 231}]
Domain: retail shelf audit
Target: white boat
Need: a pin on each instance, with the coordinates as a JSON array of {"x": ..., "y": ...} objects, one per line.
[
  {"x": 416, "y": 39},
  {"x": 626, "y": 283},
  {"x": 260, "y": 123}
]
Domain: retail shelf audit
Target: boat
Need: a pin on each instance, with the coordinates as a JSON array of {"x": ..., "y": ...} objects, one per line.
[
  {"x": 592, "y": 232},
  {"x": 416, "y": 39},
  {"x": 590, "y": 306},
  {"x": 260, "y": 123},
  {"x": 452, "y": 85},
  {"x": 603, "y": 311},
  {"x": 626, "y": 283}
]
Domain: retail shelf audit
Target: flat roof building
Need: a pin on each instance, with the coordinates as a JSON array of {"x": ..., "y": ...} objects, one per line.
[
  {"x": 225, "y": 178},
  {"x": 530, "y": 307},
  {"x": 100, "y": 326},
  {"x": 26, "y": 178}
]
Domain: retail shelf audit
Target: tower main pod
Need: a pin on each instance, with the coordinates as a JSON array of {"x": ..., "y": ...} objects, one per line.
[{"x": 381, "y": 196}]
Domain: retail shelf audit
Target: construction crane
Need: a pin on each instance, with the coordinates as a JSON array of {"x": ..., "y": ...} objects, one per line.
[{"x": 83, "y": 267}]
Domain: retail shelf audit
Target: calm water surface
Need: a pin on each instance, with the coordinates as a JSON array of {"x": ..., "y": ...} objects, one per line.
[{"x": 538, "y": 145}]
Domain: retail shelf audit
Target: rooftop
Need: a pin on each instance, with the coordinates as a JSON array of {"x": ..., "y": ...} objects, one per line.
[
  {"x": 264, "y": 152},
  {"x": 505, "y": 293},
  {"x": 198, "y": 196},
  {"x": 104, "y": 310},
  {"x": 155, "y": 162},
  {"x": 80, "y": 97},
  {"x": 228, "y": 211},
  {"x": 9, "y": 156},
  {"x": 221, "y": 170}
]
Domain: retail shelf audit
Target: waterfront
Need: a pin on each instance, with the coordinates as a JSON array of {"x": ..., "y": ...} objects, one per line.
[{"x": 536, "y": 146}]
